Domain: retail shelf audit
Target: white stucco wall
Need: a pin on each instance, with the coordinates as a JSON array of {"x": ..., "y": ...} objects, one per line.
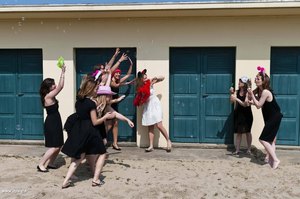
[{"x": 253, "y": 38}]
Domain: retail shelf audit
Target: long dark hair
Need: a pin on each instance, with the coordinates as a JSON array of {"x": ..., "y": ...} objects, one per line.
[
  {"x": 45, "y": 89},
  {"x": 265, "y": 84}
]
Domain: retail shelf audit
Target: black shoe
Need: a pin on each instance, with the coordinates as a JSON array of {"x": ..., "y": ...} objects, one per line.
[
  {"x": 116, "y": 148},
  {"x": 51, "y": 167},
  {"x": 40, "y": 170},
  {"x": 149, "y": 150}
]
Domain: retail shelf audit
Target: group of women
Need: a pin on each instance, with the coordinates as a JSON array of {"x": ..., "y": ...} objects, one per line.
[
  {"x": 261, "y": 97},
  {"x": 94, "y": 116}
]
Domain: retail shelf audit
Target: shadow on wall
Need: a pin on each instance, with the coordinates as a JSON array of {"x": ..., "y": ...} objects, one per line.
[{"x": 227, "y": 131}]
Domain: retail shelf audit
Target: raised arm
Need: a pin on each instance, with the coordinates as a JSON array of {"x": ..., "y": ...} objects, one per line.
[
  {"x": 113, "y": 58},
  {"x": 155, "y": 80},
  {"x": 123, "y": 79},
  {"x": 60, "y": 85},
  {"x": 117, "y": 64}
]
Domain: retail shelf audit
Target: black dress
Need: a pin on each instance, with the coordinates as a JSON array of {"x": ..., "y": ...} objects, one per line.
[
  {"x": 116, "y": 90},
  {"x": 53, "y": 127},
  {"x": 272, "y": 117},
  {"x": 243, "y": 117},
  {"x": 84, "y": 137}
]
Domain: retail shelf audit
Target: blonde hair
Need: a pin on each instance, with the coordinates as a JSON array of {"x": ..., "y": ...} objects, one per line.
[{"x": 101, "y": 103}]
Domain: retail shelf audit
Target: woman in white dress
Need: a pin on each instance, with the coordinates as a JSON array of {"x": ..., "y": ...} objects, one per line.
[{"x": 152, "y": 112}]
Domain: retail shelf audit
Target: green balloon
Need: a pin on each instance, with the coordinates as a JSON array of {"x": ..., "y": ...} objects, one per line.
[{"x": 60, "y": 62}]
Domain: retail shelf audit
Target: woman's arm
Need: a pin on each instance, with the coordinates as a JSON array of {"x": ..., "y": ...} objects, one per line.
[
  {"x": 119, "y": 116},
  {"x": 117, "y": 100},
  {"x": 96, "y": 121},
  {"x": 117, "y": 64},
  {"x": 60, "y": 85},
  {"x": 123, "y": 79},
  {"x": 264, "y": 95},
  {"x": 155, "y": 80},
  {"x": 112, "y": 60}
]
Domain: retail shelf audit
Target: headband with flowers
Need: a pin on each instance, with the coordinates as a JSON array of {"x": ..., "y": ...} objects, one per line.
[{"x": 261, "y": 69}]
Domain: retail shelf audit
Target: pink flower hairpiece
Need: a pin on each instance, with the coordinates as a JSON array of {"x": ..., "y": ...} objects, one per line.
[
  {"x": 96, "y": 74},
  {"x": 261, "y": 69}
]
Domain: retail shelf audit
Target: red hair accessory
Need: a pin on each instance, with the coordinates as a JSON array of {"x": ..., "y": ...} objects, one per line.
[
  {"x": 261, "y": 69},
  {"x": 116, "y": 71},
  {"x": 142, "y": 94}
]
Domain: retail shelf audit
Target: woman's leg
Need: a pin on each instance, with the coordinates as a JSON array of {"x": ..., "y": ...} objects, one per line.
[
  {"x": 53, "y": 157},
  {"x": 238, "y": 143},
  {"x": 165, "y": 134},
  {"x": 92, "y": 159},
  {"x": 115, "y": 132},
  {"x": 151, "y": 137},
  {"x": 72, "y": 168},
  {"x": 249, "y": 141},
  {"x": 274, "y": 161},
  {"x": 99, "y": 165},
  {"x": 42, "y": 165}
]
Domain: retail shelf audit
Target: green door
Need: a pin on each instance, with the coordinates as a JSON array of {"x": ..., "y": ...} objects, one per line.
[
  {"x": 285, "y": 75},
  {"x": 87, "y": 58},
  {"x": 200, "y": 110},
  {"x": 21, "y": 112}
]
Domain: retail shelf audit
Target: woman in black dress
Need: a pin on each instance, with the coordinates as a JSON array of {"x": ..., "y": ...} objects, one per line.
[
  {"x": 53, "y": 126},
  {"x": 262, "y": 97},
  {"x": 243, "y": 117},
  {"x": 116, "y": 83},
  {"x": 84, "y": 139}
]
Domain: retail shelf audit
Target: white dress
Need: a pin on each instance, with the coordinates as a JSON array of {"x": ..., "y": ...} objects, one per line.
[{"x": 152, "y": 112}]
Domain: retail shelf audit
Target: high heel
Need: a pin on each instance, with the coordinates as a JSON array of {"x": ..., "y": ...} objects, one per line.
[
  {"x": 116, "y": 148},
  {"x": 150, "y": 149},
  {"x": 40, "y": 170},
  {"x": 97, "y": 184},
  {"x": 169, "y": 146}
]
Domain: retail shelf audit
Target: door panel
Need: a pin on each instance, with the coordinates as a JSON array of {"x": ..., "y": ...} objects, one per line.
[
  {"x": 285, "y": 69},
  {"x": 22, "y": 114},
  {"x": 200, "y": 110}
]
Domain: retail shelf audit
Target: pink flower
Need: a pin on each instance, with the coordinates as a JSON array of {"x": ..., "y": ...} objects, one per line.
[{"x": 261, "y": 69}]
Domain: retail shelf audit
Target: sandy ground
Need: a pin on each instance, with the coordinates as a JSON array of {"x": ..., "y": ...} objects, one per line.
[{"x": 183, "y": 173}]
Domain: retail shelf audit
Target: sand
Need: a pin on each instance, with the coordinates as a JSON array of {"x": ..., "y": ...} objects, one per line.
[{"x": 132, "y": 173}]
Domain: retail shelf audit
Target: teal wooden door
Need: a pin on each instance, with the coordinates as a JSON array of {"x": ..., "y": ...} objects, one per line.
[
  {"x": 87, "y": 58},
  {"x": 21, "y": 112},
  {"x": 285, "y": 74},
  {"x": 200, "y": 110}
]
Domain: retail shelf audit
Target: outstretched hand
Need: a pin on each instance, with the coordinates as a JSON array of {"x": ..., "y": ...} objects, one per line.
[
  {"x": 121, "y": 98},
  {"x": 130, "y": 123}
]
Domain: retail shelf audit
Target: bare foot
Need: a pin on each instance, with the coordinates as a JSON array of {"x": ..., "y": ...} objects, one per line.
[{"x": 275, "y": 164}]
